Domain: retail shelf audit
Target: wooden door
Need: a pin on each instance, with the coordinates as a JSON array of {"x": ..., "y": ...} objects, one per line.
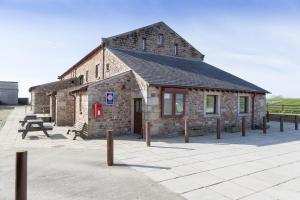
[{"x": 138, "y": 116}]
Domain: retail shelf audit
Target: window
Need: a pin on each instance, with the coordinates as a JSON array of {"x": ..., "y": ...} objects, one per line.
[
  {"x": 97, "y": 71},
  {"x": 211, "y": 104},
  {"x": 144, "y": 44},
  {"x": 168, "y": 103},
  {"x": 81, "y": 79},
  {"x": 173, "y": 103},
  {"x": 87, "y": 76},
  {"x": 179, "y": 104},
  {"x": 107, "y": 67},
  {"x": 160, "y": 39},
  {"x": 80, "y": 103},
  {"x": 176, "y": 49},
  {"x": 244, "y": 104}
]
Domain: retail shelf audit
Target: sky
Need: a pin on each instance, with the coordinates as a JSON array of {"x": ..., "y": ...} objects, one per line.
[{"x": 257, "y": 40}]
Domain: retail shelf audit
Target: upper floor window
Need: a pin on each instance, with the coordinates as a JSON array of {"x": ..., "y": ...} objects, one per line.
[
  {"x": 81, "y": 79},
  {"x": 144, "y": 44},
  {"x": 160, "y": 39},
  {"x": 176, "y": 49},
  {"x": 87, "y": 76},
  {"x": 97, "y": 71},
  {"x": 243, "y": 104},
  {"x": 107, "y": 67},
  {"x": 80, "y": 103}
]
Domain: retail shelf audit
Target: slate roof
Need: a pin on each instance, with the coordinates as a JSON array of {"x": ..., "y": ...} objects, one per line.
[
  {"x": 179, "y": 72},
  {"x": 56, "y": 85}
]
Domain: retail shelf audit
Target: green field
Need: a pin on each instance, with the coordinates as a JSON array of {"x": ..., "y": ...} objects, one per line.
[
  {"x": 4, "y": 112},
  {"x": 283, "y": 106}
]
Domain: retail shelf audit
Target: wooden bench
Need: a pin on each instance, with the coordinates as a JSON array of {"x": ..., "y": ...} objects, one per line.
[
  {"x": 35, "y": 125},
  {"x": 80, "y": 129},
  {"x": 26, "y": 118}
]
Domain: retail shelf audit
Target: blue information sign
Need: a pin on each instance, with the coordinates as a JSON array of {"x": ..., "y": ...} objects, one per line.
[{"x": 110, "y": 99}]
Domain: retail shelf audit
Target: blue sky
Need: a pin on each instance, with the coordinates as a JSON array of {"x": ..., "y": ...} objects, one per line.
[{"x": 258, "y": 40}]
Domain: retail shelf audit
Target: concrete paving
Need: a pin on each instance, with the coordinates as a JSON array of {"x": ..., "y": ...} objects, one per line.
[
  {"x": 257, "y": 166},
  {"x": 71, "y": 172}
]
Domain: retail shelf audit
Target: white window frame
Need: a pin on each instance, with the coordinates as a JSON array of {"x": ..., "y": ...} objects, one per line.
[
  {"x": 248, "y": 106},
  {"x": 218, "y": 107}
]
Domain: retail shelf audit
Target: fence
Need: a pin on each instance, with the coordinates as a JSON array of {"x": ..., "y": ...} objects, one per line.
[{"x": 283, "y": 109}]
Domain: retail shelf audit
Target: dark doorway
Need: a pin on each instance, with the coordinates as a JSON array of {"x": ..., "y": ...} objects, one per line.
[{"x": 138, "y": 116}]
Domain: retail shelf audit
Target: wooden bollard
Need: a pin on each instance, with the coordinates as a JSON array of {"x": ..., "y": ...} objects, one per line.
[
  {"x": 281, "y": 123},
  {"x": 110, "y": 148},
  {"x": 21, "y": 176},
  {"x": 148, "y": 134},
  {"x": 268, "y": 116},
  {"x": 243, "y": 126},
  {"x": 218, "y": 129},
  {"x": 264, "y": 125},
  {"x": 186, "y": 132},
  {"x": 296, "y": 122}
]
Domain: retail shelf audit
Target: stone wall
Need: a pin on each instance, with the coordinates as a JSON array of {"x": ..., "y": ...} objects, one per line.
[
  {"x": 116, "y": 117},
  {"x": 88, "y": 65},
  {"x": 112, "y": 66},
  {"x": 64, "y": 108},
  {"x": 82, "y": 108},
  {"x": 133, "y": 41},
  {"x": 53, "y": 107},
  {"x": 40, "y": 102},
  {"x": 194, "y": 111}
]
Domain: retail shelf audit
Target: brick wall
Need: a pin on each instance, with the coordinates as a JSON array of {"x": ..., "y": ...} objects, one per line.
[{"x": 133, "y": 41}]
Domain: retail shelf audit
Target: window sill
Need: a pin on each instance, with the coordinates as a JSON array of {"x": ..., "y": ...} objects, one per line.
[
  {"x": 172, "y": 116},
  {"x": 211, "y": 115},
  {"x": 244, "y": 114}
]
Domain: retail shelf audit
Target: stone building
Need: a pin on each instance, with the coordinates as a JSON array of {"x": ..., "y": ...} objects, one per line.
[
  {"x": 153, "y": 74},
  {"x": 9, "y": 92}
]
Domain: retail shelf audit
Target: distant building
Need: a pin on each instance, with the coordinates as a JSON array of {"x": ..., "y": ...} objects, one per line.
[{"x": 9, "y": 92}]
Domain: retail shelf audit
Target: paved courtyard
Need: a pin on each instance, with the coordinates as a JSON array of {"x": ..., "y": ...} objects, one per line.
[{"x": 253, "y": 167}]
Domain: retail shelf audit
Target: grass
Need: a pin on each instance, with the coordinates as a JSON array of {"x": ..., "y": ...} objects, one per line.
[
  {"x": 287, "y": 106},
  {"x": 4, "y": 112}
]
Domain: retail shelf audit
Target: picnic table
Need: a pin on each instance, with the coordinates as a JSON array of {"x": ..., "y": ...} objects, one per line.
[
  {"x": 35, "y": 125},
  {"x": 27, "y": 117}
]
